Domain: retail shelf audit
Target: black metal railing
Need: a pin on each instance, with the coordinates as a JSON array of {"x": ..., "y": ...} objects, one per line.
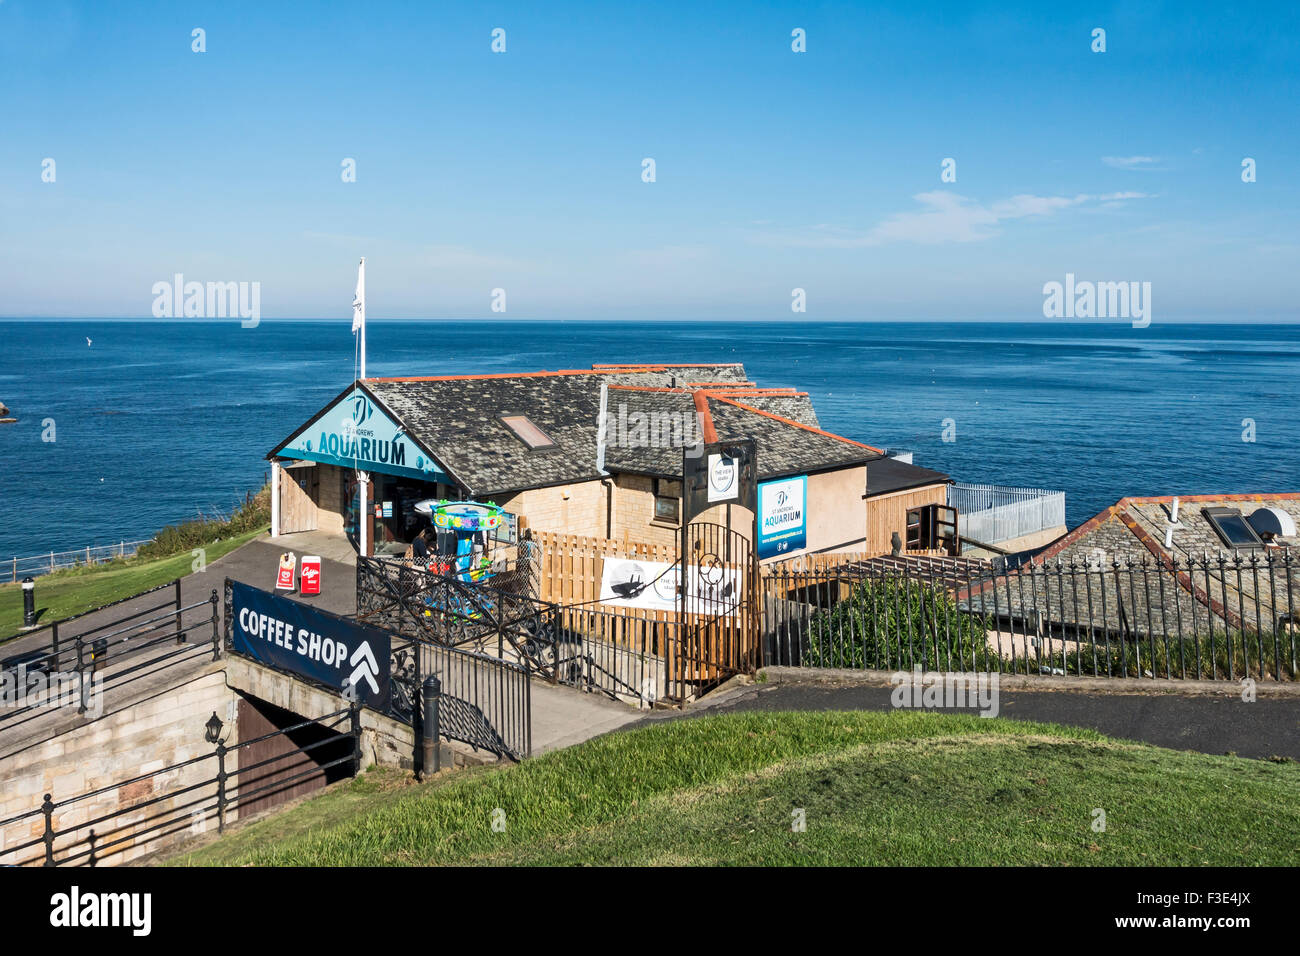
[
  {"x": 79, "y": 669},
  {"x": 104, "y": 824},
  {"x": 620, "y": 655},
  {"x": 1216, "y": 617},
  {"x": 485, "y": 701}
]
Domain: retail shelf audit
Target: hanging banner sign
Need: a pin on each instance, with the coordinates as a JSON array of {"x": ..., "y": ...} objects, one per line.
[
  {"x": 713, "y": 590},
  {"x": 356, "y": 433},
  {"x": 726, "y": 472},
  {"x": 724, "y": 478},
  {"x": 284, "y": 575},
  {"x": 333, "y": 651},
  {"x": 782, "y": 516}
]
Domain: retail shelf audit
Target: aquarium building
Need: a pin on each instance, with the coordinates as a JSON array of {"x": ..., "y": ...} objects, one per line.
[{"x": 532, "y": 443}]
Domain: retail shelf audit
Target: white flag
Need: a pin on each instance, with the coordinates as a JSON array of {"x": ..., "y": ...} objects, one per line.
[{"x": 359, "y": 302}]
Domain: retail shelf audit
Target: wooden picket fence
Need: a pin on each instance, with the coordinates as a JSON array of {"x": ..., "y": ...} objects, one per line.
[{"x": 570, "y": 565}]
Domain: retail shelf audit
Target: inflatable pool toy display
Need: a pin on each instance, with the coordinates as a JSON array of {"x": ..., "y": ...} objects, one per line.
[
  {"x": 462, "y": 529},
  {"x": 466, "y": 516}
]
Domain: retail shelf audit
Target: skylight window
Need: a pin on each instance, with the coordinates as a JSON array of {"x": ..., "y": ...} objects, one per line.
[
  {"x": 527, "y": 432},
  {"x": 1233, "y": 528}
]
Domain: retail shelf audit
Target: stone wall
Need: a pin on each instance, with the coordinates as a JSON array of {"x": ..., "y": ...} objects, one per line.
[{"x": 138, "y": 740}]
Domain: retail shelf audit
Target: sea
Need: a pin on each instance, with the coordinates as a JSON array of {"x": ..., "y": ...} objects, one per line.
[{"x": 126, "y": 426}]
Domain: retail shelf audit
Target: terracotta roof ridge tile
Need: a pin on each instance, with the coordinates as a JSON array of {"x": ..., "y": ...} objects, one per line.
[
  {"x": 788, "y": 421},
  {"x": 710, "y": 433}
]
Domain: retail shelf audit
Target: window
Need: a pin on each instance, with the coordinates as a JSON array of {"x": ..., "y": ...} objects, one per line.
[
  {"x": 667, "y": 509},
  {"x": 931, "y": 528},
  {"x": 668, "y": 506},
  {"x": 917, "y": 539},
  {"x": 1232, "y": 527},
  {"x": 527, "y": 432}
]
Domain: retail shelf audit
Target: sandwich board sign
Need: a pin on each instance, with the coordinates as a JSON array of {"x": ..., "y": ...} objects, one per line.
[
  {"x": 310, "y": 574},
  {"x": 333, "y": 651},
  {"x": 285, "y": 573}
]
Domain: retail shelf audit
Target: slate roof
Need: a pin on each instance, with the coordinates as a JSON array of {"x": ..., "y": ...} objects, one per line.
[
  {"x": 1134, "y": 528},
  {"x": 785, "y": 446},
  {"x": 1168, "y": 584},
  {"x": 458, "y": 418}
]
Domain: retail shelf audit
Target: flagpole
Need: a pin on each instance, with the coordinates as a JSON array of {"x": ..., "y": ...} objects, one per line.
[
  {"x": 361, "y": 292},
  {"x": 364, "y": 546}
]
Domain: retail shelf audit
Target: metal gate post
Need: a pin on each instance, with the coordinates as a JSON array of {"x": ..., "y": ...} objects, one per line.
[
  {"x": 354, "y": 724},
  {"x": 221, "y": 786},
  {"x": 81, "y": 674},
  {"x": 180, "y": 629},
  {"x": 216, "y": 632},
  {"x": 47, "y": 808}
]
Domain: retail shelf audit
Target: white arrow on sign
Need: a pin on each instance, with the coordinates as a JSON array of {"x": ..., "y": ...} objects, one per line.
[{"x": 368, "y": 668}]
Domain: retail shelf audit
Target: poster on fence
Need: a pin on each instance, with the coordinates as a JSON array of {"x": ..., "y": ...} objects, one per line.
[{"x": 652, "y": 586}]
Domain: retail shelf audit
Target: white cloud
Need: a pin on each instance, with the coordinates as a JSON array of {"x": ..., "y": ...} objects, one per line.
[
  {"x": 944, "y": 217},
  {"x": 1131, "y": 162}
]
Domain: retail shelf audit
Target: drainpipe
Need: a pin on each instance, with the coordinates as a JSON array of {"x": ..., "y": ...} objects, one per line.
[
  {"x": 601, "y": 422},
  {"x": 609, "y": 506},
  {"x": 600, "y": 428}
]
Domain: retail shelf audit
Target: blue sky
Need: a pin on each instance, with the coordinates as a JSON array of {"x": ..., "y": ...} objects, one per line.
[{"x": 775, "y": 170}]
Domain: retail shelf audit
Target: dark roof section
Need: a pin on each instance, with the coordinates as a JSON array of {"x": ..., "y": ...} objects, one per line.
[
  {"x": 797, "y": 407},
  {"x": 647, "y": 430},
  {"x": 889, "y": 475},
  {"x": 785, "y": 447},
  {"x": 1134, "y": 528},
  {"x": 652, "y": 414}
]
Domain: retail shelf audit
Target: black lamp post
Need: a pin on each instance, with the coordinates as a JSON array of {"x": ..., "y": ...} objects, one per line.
[{"x": 212, "y": 729}]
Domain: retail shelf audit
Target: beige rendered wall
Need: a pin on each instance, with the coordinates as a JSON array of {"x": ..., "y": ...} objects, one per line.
[
  {"x": 573, "y": 509},
  {"x": 837, "y": 516}
]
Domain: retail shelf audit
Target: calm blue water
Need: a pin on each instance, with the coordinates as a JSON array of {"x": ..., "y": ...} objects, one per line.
[{"x": 156, "y": 422}]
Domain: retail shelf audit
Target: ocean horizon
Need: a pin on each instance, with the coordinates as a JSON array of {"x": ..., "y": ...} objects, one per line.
[{"x": 156, "y": 421}]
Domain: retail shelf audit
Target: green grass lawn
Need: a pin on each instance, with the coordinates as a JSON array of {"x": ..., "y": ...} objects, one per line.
[
  {"x": 79, "y": 589},
  {"x": 875, "y": 788}
]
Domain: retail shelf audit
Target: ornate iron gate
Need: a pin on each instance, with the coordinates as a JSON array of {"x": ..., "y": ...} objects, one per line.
[{"x": 718, "y": 595}]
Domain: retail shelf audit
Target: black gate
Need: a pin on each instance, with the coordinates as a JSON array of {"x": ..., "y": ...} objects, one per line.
[
  {"x": 718, "y": 595},
  {"x": 579, "y": 645}
]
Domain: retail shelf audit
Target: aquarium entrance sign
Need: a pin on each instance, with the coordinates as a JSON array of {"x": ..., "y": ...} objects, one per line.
[
  {"x": 355, "y": 432},
  {"x": 782, "y": 516}
]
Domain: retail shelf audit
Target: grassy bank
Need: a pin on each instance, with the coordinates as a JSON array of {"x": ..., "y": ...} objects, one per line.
[
  {"x": 80, "y": 589},
  {"x": 875, "y": 788},
  {"x": 168, "y": 555}
]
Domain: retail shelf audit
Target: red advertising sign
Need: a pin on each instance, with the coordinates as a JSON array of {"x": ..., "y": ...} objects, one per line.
[
  {"x": 284, "y": 578},
  {"x": 310, "y": 574}
]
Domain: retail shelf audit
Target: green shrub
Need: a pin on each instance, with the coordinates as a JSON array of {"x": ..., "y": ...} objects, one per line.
[
  {"x": 1223, "y": 656},
  {"x": 897, "y": 624},
  {"x": 253, "y": 512}
]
